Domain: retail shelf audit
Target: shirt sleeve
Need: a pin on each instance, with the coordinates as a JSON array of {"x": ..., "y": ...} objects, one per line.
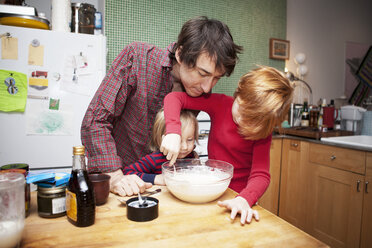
[
  {"x": 174, "y": 102},
  {"x": 259, "y": 178},
  {"x": 107, "y": 104},
  {"x": 146, "y": 168}
]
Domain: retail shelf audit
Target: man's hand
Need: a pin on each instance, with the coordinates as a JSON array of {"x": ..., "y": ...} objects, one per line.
[
  {"x": 126, "y": 185},
  {"x": 241, "y": 206},
  {"x": 170, "y": 146}
]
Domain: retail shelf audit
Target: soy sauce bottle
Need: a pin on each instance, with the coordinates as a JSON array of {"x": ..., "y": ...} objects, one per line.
[{"x": 80, "y": 201}]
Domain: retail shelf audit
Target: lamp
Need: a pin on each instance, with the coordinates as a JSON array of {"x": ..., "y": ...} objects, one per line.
[
  {"x": 291, "y": 77},
  {"x": 301, "y": 72}
]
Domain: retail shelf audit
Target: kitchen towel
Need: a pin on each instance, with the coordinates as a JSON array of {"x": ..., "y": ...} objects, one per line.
[{"x": 61, "y": 15}]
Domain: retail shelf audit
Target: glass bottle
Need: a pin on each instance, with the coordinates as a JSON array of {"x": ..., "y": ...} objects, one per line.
[
  {"x": 80, "y": 201},
  {"x": 320, "y": 118},
  {"x": 305, "y": 115},
  {"x": 337, "y": 125}
]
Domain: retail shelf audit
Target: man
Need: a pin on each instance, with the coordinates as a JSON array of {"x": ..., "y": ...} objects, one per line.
[{"x": 117, "y": 125}]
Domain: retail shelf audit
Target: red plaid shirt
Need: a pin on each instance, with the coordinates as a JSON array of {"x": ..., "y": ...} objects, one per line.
[{"x": 117, "y": 125}]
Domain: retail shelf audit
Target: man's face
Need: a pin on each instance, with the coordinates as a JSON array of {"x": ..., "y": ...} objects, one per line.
[{"x": 200, "y": 79}]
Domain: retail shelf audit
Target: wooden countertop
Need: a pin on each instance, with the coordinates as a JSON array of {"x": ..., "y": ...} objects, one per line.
[{"x": 179, "y": 224}]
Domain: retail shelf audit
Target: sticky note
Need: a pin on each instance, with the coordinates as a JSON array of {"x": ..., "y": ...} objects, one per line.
[
  {"x": 35, "y": 55},
  {"x": 9, "y": 48}
]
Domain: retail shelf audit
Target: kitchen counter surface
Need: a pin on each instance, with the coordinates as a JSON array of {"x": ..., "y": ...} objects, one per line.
[
  {"x": 179, "y": 224},
  {"x": 366, "y": 149}
]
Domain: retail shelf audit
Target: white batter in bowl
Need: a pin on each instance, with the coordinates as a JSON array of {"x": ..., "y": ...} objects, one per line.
[{"x": 196, "y": 180}]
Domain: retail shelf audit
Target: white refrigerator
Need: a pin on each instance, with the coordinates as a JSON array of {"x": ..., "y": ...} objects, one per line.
[{"x": 63, "y": 71}]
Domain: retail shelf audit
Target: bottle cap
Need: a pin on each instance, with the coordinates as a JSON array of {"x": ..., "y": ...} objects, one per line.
[{"x": 79, "y": 150}]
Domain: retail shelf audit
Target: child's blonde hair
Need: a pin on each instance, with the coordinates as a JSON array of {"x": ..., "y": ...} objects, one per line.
[
  {"x": 265, "y": 95},
  {"x": 187, "y": 117}
]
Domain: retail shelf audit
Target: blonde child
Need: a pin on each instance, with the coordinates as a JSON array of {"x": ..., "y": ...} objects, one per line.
[
  {"x": 240, "y": 134},
  {"x": 148, "y": 168}
]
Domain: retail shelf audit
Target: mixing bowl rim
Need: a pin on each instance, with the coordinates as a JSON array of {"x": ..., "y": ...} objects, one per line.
[{"x": 230, "y": 175}]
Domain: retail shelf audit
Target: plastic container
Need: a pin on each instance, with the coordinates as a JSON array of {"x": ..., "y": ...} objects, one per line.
[{"x": 351, "y": 112}]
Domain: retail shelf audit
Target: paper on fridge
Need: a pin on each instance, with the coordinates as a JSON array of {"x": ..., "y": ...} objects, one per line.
[
  {"x": 40, "y": 120},
  {"x": 13, "y": 91}
]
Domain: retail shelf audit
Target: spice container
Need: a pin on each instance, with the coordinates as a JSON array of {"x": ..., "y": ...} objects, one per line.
[{"x": 51, "y": 201}]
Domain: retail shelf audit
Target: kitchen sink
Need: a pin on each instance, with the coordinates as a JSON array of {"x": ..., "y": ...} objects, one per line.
[{"x": 355, "y": 140}]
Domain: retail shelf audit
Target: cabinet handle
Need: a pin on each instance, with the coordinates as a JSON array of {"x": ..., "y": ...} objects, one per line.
[
  {"x": 333, "y": 157},
  {"x": 366, "y": 189},
  {"x": 358, "y": 183},
  {"x": 294, "y": 144}
]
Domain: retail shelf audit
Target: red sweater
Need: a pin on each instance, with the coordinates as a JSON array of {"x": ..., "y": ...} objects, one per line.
[{"x": 250, "y": 158}]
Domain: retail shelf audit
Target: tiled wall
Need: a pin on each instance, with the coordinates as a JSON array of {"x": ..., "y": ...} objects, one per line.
[{"x": 252, "y": 24}]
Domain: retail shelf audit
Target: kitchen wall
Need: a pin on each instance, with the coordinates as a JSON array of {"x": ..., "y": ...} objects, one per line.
[
  {"x": 252, "y": 24},
  {"x": 320, "y": 29}
]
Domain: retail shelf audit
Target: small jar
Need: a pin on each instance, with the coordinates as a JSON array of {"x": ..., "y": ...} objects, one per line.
[{"x": 51, "y": 201}]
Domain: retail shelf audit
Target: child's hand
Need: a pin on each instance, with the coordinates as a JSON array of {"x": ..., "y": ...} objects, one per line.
[
  {"x": 241, "y": 206},
  {"x": 159, "y": 180},
  {"x": 170, "y": 146}
]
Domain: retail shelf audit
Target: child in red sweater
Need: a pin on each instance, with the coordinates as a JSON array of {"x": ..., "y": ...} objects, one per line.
[
  {"x": 148, "y": 168},
  {"x": 240, "y": 134}
]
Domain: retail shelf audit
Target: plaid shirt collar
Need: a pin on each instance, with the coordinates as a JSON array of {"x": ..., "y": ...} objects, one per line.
[{"x": 165, "y": 61}]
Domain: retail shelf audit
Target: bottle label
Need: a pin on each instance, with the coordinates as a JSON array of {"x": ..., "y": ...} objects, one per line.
[
  {"x": 304, "y": 123},
  {"x": 58, "y": 205},
  {"x": 71, "y": 205}
]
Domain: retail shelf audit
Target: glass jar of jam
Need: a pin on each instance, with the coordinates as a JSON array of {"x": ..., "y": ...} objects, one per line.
[{"x": 51, "y": 201}]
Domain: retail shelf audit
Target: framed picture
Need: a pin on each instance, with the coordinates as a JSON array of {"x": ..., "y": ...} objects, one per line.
[{"x": 279, "y": 49}]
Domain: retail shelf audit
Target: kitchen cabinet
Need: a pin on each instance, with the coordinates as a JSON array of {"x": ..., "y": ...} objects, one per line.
[
  {"x": 336, "y": 195},
  {"x": 292, "y": 187},
  {"x": 325, "y": 190},
  {"x": 366, "y": 237},
  {"x": 270, "y": 200}
]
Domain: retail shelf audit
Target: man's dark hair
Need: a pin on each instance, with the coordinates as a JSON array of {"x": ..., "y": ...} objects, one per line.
[{"x": 200, "y": 35}]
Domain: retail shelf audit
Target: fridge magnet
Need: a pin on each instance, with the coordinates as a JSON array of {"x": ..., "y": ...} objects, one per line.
[
  {"x": 38, "y": 84},
  {"x": 36, "y": 55},
  {"x": 53, "y": 104},
  {"x": 13, "y": 91},
  {"x": 279, "y": 49},
  {"x": 9, "y": 48}
]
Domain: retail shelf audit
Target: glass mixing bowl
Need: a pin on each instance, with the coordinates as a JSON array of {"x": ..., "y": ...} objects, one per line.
[{"x": 197, "y": 180}]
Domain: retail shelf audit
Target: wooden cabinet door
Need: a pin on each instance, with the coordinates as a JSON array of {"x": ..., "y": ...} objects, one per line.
[
  {"x": 335, "y": 206},
  {"x": 292, "y": 182},
  {"x": 270, "y": 200},
  {"x": 366, "y": 238}
]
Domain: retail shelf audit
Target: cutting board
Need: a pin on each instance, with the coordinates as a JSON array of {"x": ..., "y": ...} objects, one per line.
[{"x": 312, "y": 133}]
